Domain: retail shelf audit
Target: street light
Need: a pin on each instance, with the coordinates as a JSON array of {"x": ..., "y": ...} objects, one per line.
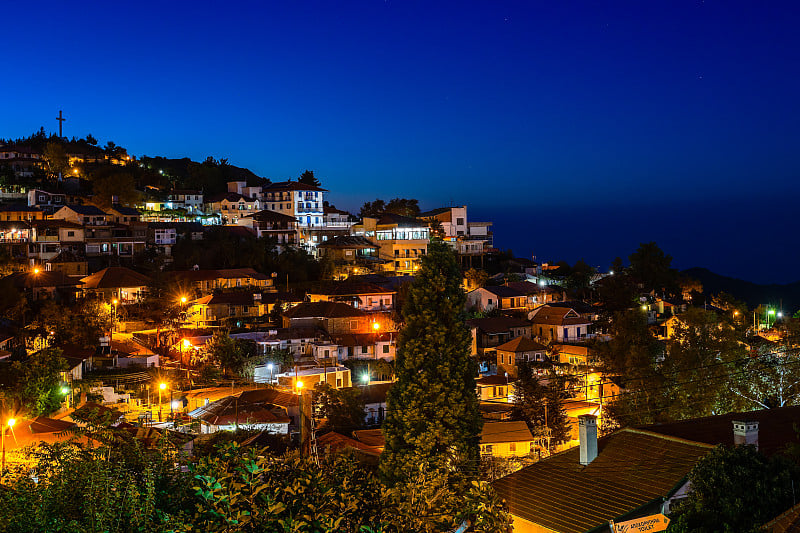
[
  {"x": 10, "y": 423},
  {"x": 299, "y": 385},
  {"x": 365, "y": 378},
  {"x": 269, "y": 367},
  {"x": 161, "y": 386}
]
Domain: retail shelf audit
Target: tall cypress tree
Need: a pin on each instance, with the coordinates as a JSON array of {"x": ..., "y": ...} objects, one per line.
[{"x": 432, "y": 418}]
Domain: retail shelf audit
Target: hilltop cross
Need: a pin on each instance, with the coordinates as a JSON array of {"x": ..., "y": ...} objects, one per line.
[{"x": 60, "y": 120}]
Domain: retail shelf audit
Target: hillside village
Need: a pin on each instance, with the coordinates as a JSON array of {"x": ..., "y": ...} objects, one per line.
[{"x": 197, "y": 298}]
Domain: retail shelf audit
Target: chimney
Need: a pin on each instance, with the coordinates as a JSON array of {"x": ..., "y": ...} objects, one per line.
[
  {"x": 587, "y": 433},
  {"x": 745, "y": 432}
]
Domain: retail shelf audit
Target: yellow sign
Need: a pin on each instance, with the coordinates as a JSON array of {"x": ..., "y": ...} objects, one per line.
[{"x": 650, "y": 524}]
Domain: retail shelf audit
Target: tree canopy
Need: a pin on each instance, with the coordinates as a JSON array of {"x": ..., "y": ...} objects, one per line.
[{"x": 433, "y": 418}]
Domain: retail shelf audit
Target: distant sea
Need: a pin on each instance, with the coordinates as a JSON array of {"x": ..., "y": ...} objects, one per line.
[{"x": 753, "y": 241}]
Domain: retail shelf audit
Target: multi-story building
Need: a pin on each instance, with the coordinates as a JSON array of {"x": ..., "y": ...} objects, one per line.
[
  {"x": 402, "y": 241},
  {"x": 304, "y": 203},
  {"x": 123, "y": 215},
  {"x": 468, "y": 239},
  {"x": 266, "y": 223},
  {"x": 23, "y": 160},
  {"x": 49, "y": 238},
  {"x": 190, "y": 200},
  {"x": 351, "y": 255},
  {"x": 21, "y": 212},
  {"x": 87, "y": 215},
  {"x": 232, "y": 206}
]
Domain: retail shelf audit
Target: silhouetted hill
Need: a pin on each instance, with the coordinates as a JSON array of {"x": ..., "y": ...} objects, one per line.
[{"x": 751, "y": 293}]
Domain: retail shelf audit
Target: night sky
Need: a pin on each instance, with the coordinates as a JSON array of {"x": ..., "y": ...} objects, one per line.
[{"x": 581, "y": 128}]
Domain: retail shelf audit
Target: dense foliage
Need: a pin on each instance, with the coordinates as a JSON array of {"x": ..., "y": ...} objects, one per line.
[
  {"x": 121, "y": 486},
  {"x": 736, "y": 490},
  {"x": 433, "y": 419}
]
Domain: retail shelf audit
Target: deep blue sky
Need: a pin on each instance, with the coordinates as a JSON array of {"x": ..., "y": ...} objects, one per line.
[{"x": 582, "y": 128}]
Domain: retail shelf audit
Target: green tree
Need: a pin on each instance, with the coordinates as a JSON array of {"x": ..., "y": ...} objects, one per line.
[
  {"x": 476, "y": 278},
  {"x": 119, "y": 185},
  {"x": 233, "y": 355},
  {"x": 36, "y": 381},
  {"x": 736, "y": 490},
  {"x": 343, "y": 408},
  {"x": 308, "y": 178},
  {"x": 433, "y": 416},
  {"x": 699, "y": 360},
  {"x": 632, "y": 358},
  {"x": 406, "y": 207},
  {"x": 542, "y": 406},
  {"x": 651, "y": 267},
  {"x": 56, "y": 158},
  {"x": 372, "y": 209}
]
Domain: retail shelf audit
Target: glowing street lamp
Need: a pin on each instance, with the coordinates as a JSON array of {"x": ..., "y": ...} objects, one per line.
[
  {"x": 376, "y": 326},
  {"x": 10, "y": 423},
  {"x": 299, "y": 385}
]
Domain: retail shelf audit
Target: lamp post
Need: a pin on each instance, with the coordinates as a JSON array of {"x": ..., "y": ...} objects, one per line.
[
  {"x": 161, "y": 386},
  {"x": 114, "y": 303},
  {"x": 270, "y": 367},
  {"x": 10, "y": 423}
]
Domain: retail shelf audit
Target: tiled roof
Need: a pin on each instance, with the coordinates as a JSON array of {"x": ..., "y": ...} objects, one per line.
[
  {"x": 788, "y": 522},
  {"x": 88, "y": 210},
  {"x": 633, "y": 468},
  {"x": 230, "y": 298},
  {"x": 348, "y": 288},
  {"x": 223, "y": 273},
  {"x": 348, "y": 241},
  {"x": 393, "y": 219},
  {"x": 434, "y": 212},
  {"x": 498, "y": 324},
  {"x": 42, "y": 424},
  {"x": 30, "y": 280},
  {"x": 324, "y": 310},
  {"x": 360, "y": 339},
  {"x": 234, "y": 409},
  {"x": 123, "y": 210},
  {"x": 496, "y": 432},
  {"x": 501, "y": 291},
  {"x": 229, "y": 196},
  {"x": 282, "y": 186},
  {"x": 115, "y": 278},
  {"x": 20, "y": 207},
  {"x": 776, "y": 428},
  {"x": 337, "y": 442},
  {"x": 371, "y": 437},
  {"x": 282, "y": 399},
  {"x": 522, "y": 344},
  {"x": 557, "y": 316}
]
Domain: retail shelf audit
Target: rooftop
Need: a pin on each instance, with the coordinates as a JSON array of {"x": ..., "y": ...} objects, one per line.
[
  {"x": 497, "y": 432},
  {"x": 522, "y": 344},
  {"x": 324, "y": 310},
  {"x": 632, "y": 468},
  {"x": 499, "y": 324},
  {"x": 115, "y": 278}
]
